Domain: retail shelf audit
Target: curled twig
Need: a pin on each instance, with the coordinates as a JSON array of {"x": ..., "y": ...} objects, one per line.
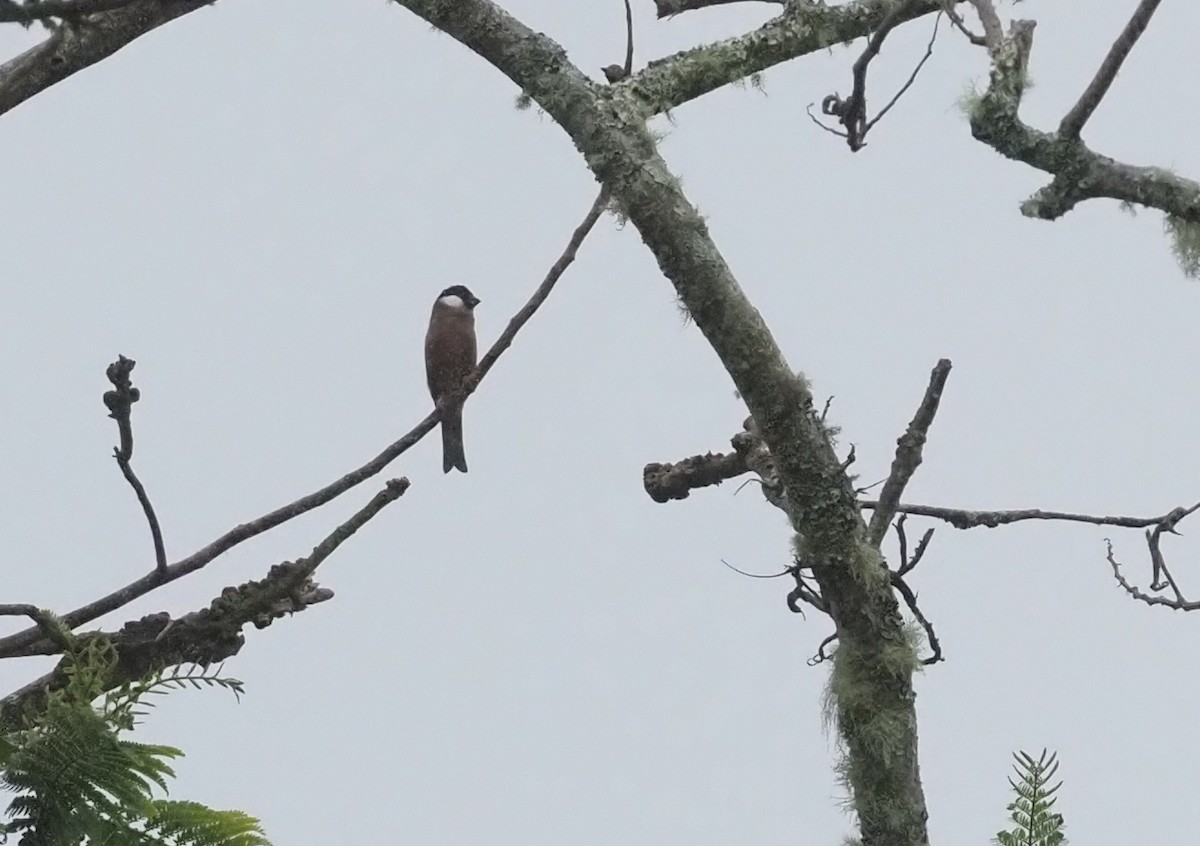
[
  {"x": 119, "y": 402},
  {"x": 822, "y": 655},
  {"x": 851, "y": 112}
]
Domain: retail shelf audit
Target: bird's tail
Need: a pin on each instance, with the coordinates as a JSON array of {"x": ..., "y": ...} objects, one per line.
[{"x": 453, "y": 456}]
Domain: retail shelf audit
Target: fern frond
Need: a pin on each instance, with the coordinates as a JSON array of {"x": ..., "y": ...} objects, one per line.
[
  {"x": 77, "y": 781},
  {"x": 1032, "y": 812},
  {"x": 192, "y": 824},
  {"x": 120, "y": 703}
]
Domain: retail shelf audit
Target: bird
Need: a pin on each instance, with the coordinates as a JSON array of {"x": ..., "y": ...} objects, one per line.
[{"x": 449, "y": 360}]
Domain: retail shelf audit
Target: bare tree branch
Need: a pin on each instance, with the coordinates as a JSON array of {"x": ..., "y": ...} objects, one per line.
[
  {"x": 961, "y": 26},
  {"x": 1179, "y": 603},
  {"x": 801, "y": 28},
  {"x": 664, "y": 482},
  {"x": 1074, "y": 120},
  {"x": 75, "y": 46},
  {"x": 1079, "y": 173},
  {"x": 119, "y": 402},
  {"x": 209, "y": 635},
  {"x": 607, "y": 126},
  {"x": 539, "y": 295},
  {"x": 908, "y": 453},
  {"x": 910, "y": 599},
  {"x": 961, "y": 518},
  {"x": 906, "y": 563},
  {"x": 35, "y": 10},
  {"x": 670, "y": 8},
  {"x": 628, "y": 68},
  {"x": 822, "y": 656},
  {"x": 852, "y": 111},
  {"x": 26, "y": 641}
]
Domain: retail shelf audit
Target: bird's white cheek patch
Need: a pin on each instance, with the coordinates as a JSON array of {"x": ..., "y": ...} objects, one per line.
[{"x": 453, "y": 300}]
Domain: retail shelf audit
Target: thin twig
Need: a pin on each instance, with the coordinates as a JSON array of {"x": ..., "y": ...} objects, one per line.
[
  {"x": 755, "y": 575},
  {"x": 43, "y": 619},
  {"x": 119, "y": 402},
  {"x": 908, "y": 453},
  {"x": 69, "y": 50},
  {"x": 922, "y": 545},
  {"x": 539, "y": 296},
  {"x": 910, "y": 599},
  {"x": 21, "y": 642},
  {"x": 1179, "y": 603},
  {"x": 852, "y": 111},
  {"x": 822, "y": 655},
  {"x": 911, "y": 78},
  {"x": 961, "y": 25},
  {"x": 1089, "y": 101},
  {"x": 803, "y": 592},
  {"x": 392, "y": 491},
  {"x": 628, "y": 38},
  {"x": 961, "y": 518}
]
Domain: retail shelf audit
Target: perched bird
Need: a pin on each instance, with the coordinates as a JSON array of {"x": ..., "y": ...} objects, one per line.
[{"x": 449, "y": 360}]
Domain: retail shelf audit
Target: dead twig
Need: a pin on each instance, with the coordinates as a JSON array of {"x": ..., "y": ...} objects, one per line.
[
  {"x": 822, "y": 655},
  {"x": 908, "y": 453},
  {"x": 908, "y": 564},
  {"x": 910, "y": 599},
  {"x": 851, "y": 112},
  {"x": 1179, "y": 603},
  {"x": 1072, "y": 123},
  {"x": 23, "y": 642},
  {"x": 119, "y": 402},
  {"x": 961, "y": 518}
]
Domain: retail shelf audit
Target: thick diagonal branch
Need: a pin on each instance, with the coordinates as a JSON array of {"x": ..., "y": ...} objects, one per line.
[
  {"x": 873, "y": 671},
  {"x": 75, "y": 46}
]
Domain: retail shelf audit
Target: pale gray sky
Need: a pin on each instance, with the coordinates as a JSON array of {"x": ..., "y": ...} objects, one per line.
[{"x": 259, "y": 203}]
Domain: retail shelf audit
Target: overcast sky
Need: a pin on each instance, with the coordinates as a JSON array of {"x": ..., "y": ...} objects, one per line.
[{"x": 259, "y": 203}]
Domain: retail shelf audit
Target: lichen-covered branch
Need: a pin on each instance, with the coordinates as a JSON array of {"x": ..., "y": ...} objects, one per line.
[
  {"x": 79, "y": 44},
  {"x": 212, "y": 634},
  {"x": 872, "y": 677},
  {"x": 1079, "y": 172},
  {"x": 801, "y": 29}
]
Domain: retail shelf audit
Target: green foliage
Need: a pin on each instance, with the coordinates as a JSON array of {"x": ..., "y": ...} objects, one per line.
[
  {"x": 1032, "y": 812},
  {"x": 78, "y": 781}
]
